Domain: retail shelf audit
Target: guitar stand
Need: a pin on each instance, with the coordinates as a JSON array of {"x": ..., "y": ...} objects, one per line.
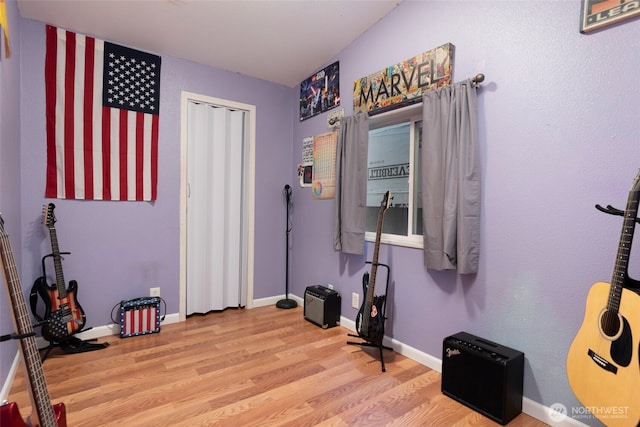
[
  {"x": 613, "y": 211},
  {"x": 631, "y": 283},
  {"x": 73, "y": 345},
  {"x": 368, "y": 343},
  {"x": 14, "y": 336}
]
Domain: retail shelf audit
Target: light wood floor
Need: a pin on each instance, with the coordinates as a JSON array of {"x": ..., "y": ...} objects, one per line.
[{"x": 259, "y": 367}]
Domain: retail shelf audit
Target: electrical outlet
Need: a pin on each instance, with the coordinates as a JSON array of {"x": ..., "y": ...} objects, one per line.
[
  {"x": 355, "y": 300},
  {"x": 154, "y": 292},
  {"x": 330, "y": 286}
]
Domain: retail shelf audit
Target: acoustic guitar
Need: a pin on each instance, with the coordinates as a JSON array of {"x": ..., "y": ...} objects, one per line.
[
  {"x": 370, "y": 317},
  {"x": 603, "y": 367},
  {"x": 63, "y": 314},
  {"x": 43, "y": 415}
]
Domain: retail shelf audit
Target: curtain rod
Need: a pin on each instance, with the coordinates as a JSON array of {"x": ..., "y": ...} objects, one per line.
[{"x": 479, "y": 78}]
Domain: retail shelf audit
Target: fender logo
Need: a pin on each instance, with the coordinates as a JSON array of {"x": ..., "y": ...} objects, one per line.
[{"x": 452, "y": 352}]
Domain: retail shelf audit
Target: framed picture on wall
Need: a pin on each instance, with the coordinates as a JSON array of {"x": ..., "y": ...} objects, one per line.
[
  {"x": 320, "y": 92},
  {"x": 600, "y": 13}
]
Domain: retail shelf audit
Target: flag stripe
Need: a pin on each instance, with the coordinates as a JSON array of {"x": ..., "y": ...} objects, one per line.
[
  {"x": 139, "y": 156},
  {"x": 130, "y": 182},
  {"x": 114, "y": 152},
  {"x": 154, "y": 156},
  {"x": 78, "y": 126},
  {"x": 95, "y": 151},
  {"x": 69, "y": 93},
  {"x": 89, "y": 64},
  {"x": 106, "y": 154},
  {"x": 124, "y": 133},
  {"x": 59, "y": 116},
  {"x": 50, "y": 95},
  {"x": 96, "y": 135}
]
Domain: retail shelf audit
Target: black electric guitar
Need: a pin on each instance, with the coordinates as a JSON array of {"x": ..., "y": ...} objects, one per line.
[
  {"x": 44, "y": 415},
  {"x": 63, "y": 314},
  {"x": 603, "y": 367},
  {"x": 370, "y": 318}
]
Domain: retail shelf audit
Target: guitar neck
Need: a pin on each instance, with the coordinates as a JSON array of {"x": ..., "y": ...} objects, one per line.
[
  {"x": 374, "y": 260},
  {"x": 622, "y": 257},
  {"x": 57, "y": 263},
  {"x": 43, "y": 411},
  {"x": 620, "y": 271}
]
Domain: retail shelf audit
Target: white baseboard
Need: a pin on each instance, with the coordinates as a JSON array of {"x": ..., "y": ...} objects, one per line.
[
  {"x": 547, "y": 415},
  {"x": 114, "y": 329},
  {"x": 6, "y": 387},
  {"x": 529, "y": 407},
  {"x": 262, "y": 302}
]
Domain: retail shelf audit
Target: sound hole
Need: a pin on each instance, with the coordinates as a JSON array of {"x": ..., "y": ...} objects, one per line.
[{"x": 610, "y": 323}]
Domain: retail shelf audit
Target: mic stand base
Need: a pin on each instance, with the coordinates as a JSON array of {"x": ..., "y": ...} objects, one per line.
[{"x": 286, "y": 303}]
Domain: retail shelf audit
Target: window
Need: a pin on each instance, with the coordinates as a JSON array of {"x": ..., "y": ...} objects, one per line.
[{"x": 395, "y": 141}]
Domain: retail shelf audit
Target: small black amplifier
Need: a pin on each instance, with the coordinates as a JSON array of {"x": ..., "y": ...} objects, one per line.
[
  {"x": 483, "y": 375},
  {"x": 322, "y": 306}
]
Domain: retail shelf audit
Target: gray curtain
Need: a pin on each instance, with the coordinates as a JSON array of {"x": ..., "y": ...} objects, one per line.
[
  {"x": 451, "y": 179},
  {"x": 351, "y": 184}
]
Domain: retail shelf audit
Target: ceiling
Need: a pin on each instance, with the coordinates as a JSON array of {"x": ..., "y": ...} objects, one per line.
[{"x": 283, "y": 42}]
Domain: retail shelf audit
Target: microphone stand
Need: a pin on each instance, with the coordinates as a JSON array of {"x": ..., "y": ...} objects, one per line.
[{"x": 287, "y": 303}]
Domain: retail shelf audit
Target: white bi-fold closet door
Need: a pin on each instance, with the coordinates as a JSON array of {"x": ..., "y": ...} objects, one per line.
[{"x": 217, "y": 219}]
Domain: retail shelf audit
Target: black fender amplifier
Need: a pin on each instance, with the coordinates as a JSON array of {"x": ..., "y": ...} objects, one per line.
[
  {"x": 322, "y": 306},
  {"x": 483, "y": 375}
]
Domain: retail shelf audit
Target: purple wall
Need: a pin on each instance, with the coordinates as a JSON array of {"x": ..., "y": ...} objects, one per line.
[
  {"x": 559, "y": 113},
  {"x": 10, "y": 169},
  {"x": 558, "y": 134}
]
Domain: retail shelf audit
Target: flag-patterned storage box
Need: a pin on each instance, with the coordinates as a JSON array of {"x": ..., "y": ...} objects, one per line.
[{"x": 139, "y": 316}]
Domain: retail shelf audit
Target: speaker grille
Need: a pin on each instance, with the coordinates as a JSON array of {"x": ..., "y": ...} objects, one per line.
[{"x": 314, "y": 309}]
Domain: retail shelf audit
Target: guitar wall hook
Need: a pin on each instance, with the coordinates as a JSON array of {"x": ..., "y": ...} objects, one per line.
[{"x": 613, "y": 211}]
